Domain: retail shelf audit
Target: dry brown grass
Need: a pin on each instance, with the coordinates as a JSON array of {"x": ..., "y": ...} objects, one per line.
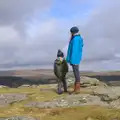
[{"x": 83, "y": 113}]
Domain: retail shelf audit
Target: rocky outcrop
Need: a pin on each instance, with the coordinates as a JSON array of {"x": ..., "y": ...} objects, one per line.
[
  {"x": 6, "y": 99},
  {"x": 97, "y": 93},
  {"x": 86, "y": 81},
  {"x": 101, "y": 94},
  {"x": 69, "y": 101},
  {"x": 107, "y": 94},
  {"x": 110, "y": 95}
]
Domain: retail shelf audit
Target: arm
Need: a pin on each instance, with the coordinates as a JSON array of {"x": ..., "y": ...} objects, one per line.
[
  {"x": 66, "y": 66},
  {"x": 55, "y": 69},
  {"x": 77, "y": 44}
]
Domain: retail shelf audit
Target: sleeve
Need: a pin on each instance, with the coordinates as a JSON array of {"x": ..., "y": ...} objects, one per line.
[
  {"x": 77, "y": 44},
  {"x": 82, "y": 43},
  {"x": 75, "y": 48},
  {"x": 66, "y": 66},
  {"x": 55, "y": 69}
]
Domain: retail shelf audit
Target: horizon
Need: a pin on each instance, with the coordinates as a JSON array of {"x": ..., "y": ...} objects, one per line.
[{"x": 51, "y": 69}]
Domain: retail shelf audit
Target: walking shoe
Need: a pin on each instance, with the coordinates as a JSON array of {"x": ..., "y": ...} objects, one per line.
[{"x": 77, "y": 87}]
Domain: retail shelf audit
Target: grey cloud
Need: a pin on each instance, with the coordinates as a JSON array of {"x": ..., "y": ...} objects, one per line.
[
  {"x": 19, "y": 12},
  {"x": 12, "y": 11},
  {"x": 13, "y": 37},
  {"x": 101, "y": 33}
]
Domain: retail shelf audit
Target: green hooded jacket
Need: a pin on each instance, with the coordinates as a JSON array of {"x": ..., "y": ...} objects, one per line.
[{"x": 60, "y": 68}]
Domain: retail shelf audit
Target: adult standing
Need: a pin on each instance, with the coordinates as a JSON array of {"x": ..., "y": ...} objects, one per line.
[{"x": 74, "y": 55}]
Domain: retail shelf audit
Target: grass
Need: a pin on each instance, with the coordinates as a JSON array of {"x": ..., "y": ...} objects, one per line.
[
  {"x": 78, "y": 113},
  {"x": 34, "y": 94},
  {"x": 83, "y": 113}
]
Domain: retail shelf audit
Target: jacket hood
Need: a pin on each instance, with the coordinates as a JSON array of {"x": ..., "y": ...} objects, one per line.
[{"x": 58, "y": 62}]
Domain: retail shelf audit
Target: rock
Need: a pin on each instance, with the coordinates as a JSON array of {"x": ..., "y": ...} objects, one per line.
[
  {"x": 83, "y": 100},
  {"x": 107, "y": 94},
  {"x": 69, "y": 101},
  {"x": 33, "y": 86},
  {"x": 24, "y": 86},
  {"x": 115, "y": 104},
  {"x": 6, "y": 99},
  {"x": 102, "y": 96},
  {"x": 52, "y": 86},
  {"x": 86, "y": 81},
  {"x": 2, "y": 86},
  {"x": 70, "y": 81}
]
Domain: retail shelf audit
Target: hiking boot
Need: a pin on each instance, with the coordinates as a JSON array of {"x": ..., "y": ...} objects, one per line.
[{"x": 77, "y": 87}]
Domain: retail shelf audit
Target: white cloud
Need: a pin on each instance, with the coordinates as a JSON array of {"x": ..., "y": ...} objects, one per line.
[
  {"x": 25, "y": 39},
  {"x": 101, "y": 33}
]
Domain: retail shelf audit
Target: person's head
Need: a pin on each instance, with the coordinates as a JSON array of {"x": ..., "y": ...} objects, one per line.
[
  {"x": 60, "y": 54},
  {"x": 74, "y": 30}
]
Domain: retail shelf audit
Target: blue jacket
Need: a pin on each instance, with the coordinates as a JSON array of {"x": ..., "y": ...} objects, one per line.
[{"x": 74, "y": 53}]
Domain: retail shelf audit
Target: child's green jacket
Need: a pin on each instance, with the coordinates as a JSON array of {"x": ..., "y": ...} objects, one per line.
[{"x": 60, "y": 68}]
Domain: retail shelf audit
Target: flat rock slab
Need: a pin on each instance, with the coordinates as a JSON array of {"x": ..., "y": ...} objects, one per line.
[
  {"x": 107, "y": 94},
  {"x": 6, "y": 99},
  {"x": 69, "y": 101}
]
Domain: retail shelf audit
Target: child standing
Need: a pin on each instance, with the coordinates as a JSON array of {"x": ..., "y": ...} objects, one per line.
[{"x": 60, "y": 70}]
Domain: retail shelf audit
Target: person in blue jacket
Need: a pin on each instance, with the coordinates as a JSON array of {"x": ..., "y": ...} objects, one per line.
[{"x": 74, "y": 55}]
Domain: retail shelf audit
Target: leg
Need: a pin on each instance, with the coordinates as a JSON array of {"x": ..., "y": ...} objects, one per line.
[
  {"x": 64, "y": 84},
  {"x": 59, "y": 90},
  {"x": 77, "y": 77},
  {"x": 76, "y": 73}
]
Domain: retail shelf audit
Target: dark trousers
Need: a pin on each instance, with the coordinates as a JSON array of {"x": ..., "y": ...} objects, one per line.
[
  {"x": 76, "y": 73},
  {"x": 62, "y": 83}
]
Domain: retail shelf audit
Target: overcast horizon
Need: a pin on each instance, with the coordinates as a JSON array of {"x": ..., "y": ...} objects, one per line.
[{"x": 31, "y": 32}]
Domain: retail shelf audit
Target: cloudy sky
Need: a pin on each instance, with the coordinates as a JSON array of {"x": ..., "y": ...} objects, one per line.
[{"x": 31, "y": 32}]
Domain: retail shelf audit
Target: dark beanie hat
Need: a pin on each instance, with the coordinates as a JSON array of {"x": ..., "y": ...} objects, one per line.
[
  {"x": 60, "y": 54},
  {"x": 74, "y": 30}
]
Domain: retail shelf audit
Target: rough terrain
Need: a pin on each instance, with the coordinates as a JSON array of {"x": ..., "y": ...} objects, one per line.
[{"x": 41, "y": 102}]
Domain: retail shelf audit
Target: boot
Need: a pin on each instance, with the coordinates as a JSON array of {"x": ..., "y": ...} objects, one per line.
[{"x": 77, "y": 87}]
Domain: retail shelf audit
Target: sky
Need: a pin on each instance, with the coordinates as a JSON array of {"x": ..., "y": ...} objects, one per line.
[{"x": 31, "y": 32}]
